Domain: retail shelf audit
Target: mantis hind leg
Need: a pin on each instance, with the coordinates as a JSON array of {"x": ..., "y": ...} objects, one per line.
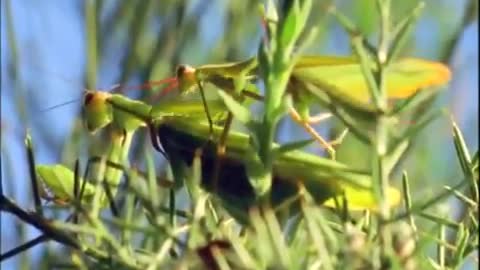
[
  {"x": 306, "y": 124},
  {"x": 323, "y": 116},
  {"x": 318, "y": 118}
]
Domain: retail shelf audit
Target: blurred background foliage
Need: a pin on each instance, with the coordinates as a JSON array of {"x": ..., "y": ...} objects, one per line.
[{"x": 52, "y": 50}]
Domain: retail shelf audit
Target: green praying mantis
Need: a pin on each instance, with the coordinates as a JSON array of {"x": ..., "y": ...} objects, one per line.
[
  {"x": 337, "y": 79},
  {"x": 100, "y": 110},
  {"x": 294, "y": 172}
]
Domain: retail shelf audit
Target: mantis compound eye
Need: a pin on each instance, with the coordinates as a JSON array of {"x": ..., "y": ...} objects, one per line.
[
  {"x": 184, "y": 70},
  {"x": 87, "y": 98},
  {"x": 180, "y": 71},
  {"x": 186, "y": 78}
]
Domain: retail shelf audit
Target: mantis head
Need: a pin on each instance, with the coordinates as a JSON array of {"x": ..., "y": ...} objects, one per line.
[
  {"x": 97, "y": 112},
  {"x": 186, "y": 78}
]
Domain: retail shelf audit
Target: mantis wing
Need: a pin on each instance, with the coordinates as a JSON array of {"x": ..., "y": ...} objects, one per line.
[{"x": 404, "y": 77}]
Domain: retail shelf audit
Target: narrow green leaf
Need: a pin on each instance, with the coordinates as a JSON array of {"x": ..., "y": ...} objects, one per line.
[
  {"x": 441, "y": 251},
  {"x": 316, "y": 234},
  {"x": 412, "y": 102},
  {"x": 419, "y": 125},
  {"x": 291, "y": 146},
  {"x": 92, "y": 43},
  {"x": 402, "y": 30},
  {"x": 462, "y": 150},
  {"x": 152, "y": 179},
  {"x": 33, "y": 176},
  {"x": 281, "y": 110},
  {"x": 462, "y": 197},
  {"x": 408, "y": 200},
  {"x": 461, "y": 244},
  {"x": 475, "y": 158},
  {"x": 395, "y": 154},
  {"x": 289, "y": 27},
  {"x": 365, "y": 65},
  {"x": 417, "y": 208},
  {"x": 439, "y": 220}
]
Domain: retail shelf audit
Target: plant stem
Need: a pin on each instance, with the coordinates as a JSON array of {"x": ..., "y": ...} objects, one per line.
[
  {"x": 384, "y": 9},
  {"x": 381, "y": 134},
  {"x": 278, "y": 67},
  {"x": 276, "y": 85}
]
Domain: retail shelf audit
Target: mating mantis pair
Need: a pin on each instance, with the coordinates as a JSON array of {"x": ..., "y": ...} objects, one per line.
[
  {"x": 180, "y": 136},
  {"x": 334, "y": 76}
]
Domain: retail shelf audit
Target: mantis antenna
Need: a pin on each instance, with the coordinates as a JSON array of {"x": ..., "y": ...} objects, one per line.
[{"x": 60, "y": 105}]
